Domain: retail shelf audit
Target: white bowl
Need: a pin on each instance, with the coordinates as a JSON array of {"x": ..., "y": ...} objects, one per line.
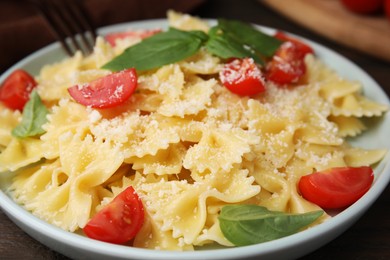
[{"x": 80, "y": 247}]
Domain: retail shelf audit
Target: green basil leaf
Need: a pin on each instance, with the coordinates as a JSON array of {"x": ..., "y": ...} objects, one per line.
[
  {"x": 158, "y": 50},
  {"x": 246, "y": 33},
  {"x": 214, "y": 31},
  {"x": 199, "y": 34},
  {"x": 224, "y": 46},
  {"x": 34, "y": 116},
  {"x": 252, "y": 224}
]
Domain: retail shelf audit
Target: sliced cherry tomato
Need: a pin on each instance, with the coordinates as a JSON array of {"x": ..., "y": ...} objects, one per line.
[
  {"x": 302, "y": 47},
  {"x": 109, "y": 91},
  {"x": 287, "y": 65},
  {"x": 363, "y": 6},
  {"x": 119, "y": 221},
  {"x": 16, "y": 89},
  {"x": 337, "y": 187},
  {"x": 242, "y": 77},
  {"x": 140, "y": 34}
]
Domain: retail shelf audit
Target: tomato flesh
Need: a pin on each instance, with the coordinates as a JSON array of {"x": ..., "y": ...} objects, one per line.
[
  {"x": 337, "y": 187},
  {"x": 287, "y": 65},
  {"x": 141, "y": 34},
  {"x": 242, "y": 77},
  {"x": 16, "y": 89},
  {"x": 119, "y": 221},
  {"x": 109, "y": 91}
]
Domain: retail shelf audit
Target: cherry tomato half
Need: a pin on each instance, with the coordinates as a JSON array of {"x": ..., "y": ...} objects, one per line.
[
  {"x": 302, "y": 48},
  {"x": 109, "y": 91},
  {"x": 337, "y": 187},
  {"x": 363, "y": 6},
  {"x": 141, "y": 34},
  {"x": 242, "y": 77},
  {"x": 119, "y": 221},
  {"x": 287, "y": 65},
  {"x": 16, "y": 89}
]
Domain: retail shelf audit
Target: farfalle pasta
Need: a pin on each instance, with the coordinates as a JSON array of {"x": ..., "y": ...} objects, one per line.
[{"x": 185, "y": 143}]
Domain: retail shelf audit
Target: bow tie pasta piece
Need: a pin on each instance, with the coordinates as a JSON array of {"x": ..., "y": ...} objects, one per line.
[
  {"x": 345, "y": 96},
  {"x": 360, "y": 157},
  {"x": 348, "y": 125},
  {"x": 68, "y": 117},
  {"x": 188, "y": 129},
  {"x": 165, "y": 162},
  {"x": 167, "y": 81},
  {"x": 195, "y": 98},
  {"x": 186, "y": 22},
  {"x": 103, "y": 53},
  {"x": 179, "y": 96},
  {"x": 202, "y": 63},
  {"x": 66, "y": 198},
  {"x": 358, "y": 106},
  {"x": 333, "y": 88},
  {"x": 149, "y": 137},
  {"x": 218, "y": 150},
  {"x": 8, "y": 120},
  {"x": 119, "y": 129},
  {"x": 54, "y": 80},
  {"x": 20, "y": 153}
]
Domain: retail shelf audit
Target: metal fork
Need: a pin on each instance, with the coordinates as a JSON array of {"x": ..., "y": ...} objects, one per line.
[{"x": 69, "y": 23}]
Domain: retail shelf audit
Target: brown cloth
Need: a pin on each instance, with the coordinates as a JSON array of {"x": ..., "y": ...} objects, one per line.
[{"x": 23, "y": 30}]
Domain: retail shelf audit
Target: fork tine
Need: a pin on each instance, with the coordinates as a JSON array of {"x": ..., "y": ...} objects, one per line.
[
  {"x": 76, "y": 17},
  {"x": 67, "y": 19},
  {"x": 57, "y": 30},
  {"x": 63, "y": 22},
  {"x": 83, "y": 20}
]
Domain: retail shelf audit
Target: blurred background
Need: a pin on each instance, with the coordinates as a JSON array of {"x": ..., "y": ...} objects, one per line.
[{"x": 23, "y": 30}]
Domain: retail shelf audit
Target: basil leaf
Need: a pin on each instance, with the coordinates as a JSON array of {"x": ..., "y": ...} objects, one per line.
[
  {"x": 199, "y": 34},
  {"x": 214, "y": 31},
  {"x": 246, "y": 33},
  {"x": 34, "y": 116},
  {"x": 224, "y": 46},
  {"x": 158, "y": 50},
  {"x": 252, "y": 224}
]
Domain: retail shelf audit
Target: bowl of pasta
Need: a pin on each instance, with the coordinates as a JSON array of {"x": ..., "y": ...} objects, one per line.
[{"x": 186, "y": 139}]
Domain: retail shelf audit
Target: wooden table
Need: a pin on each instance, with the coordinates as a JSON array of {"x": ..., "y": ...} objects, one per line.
[{"x": 369, "y": 238}]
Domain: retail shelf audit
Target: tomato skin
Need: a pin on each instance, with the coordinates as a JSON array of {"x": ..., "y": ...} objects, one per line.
[
  {"x": 109, "y": 91},
  {"x": 119, "y": 221},
  {"x": 287, "y": 65},
  {"x": 363, "y": 6},
  {"x": 302, "y": 47},
  {"x": 16, "y": 89},
  {"x": 142, "y": 34},
  {"x": 242, "y": 77},
  {"x": 337, "y": 187}
]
